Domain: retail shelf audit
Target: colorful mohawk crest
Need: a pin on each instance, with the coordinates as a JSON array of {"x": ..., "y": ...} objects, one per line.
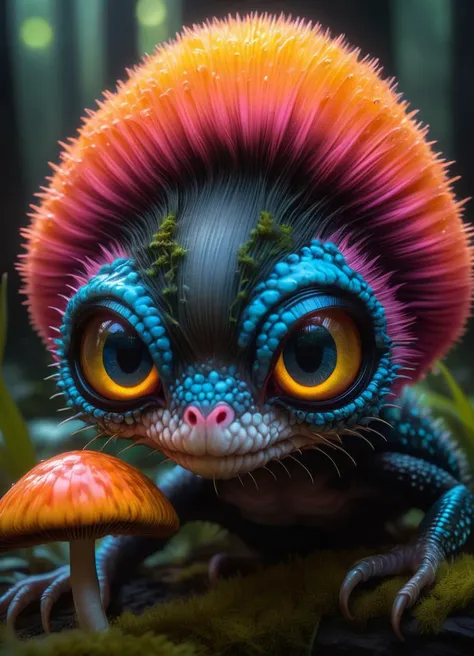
[{"x": 262, "y": 93}]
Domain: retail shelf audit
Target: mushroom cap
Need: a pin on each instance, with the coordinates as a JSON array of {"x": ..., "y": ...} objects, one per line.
[{"x": 83, "y": 495}]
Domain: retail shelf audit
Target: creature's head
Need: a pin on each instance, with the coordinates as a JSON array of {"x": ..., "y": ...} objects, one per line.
[{"x": 246, "y": 249}]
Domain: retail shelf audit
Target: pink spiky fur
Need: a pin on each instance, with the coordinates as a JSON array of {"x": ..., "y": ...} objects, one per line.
[{"x": 296, "y": 95}]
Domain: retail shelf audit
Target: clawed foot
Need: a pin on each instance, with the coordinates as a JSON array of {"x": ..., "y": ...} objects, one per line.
[
  {"x": 223, "y": 565},
  {"x": 422, "y": 563},
  {"x": 45, "y": 587}
]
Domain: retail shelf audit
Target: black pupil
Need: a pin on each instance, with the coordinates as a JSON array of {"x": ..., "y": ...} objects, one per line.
[
  {"x": 310, "y": 355},
  {"x": 126, "y": 358},
  {"x": 309, "y": 348},
  {"x": 129, "y": 354}
]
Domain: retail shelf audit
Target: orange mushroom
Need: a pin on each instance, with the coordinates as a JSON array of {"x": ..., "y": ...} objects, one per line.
[{"x": 81, "y": 496}]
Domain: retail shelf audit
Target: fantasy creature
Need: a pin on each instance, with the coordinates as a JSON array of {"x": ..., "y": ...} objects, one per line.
[{"x": 242, "y": 260}]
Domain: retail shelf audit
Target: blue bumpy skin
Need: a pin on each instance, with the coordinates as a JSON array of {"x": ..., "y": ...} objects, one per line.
[
  {"x": 209, "y": 387},
  {"x": 222, "y": 415},
  {"x": 120, "y": 281},
  {"x": 320, "y": 266}
]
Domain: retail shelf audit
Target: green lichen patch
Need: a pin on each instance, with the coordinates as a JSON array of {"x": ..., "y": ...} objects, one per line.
[
  {"x": 111, "y": 643},
  {"x": 268, "y": 238}
]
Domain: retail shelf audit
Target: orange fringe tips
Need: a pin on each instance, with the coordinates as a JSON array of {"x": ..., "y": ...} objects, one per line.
[{"x": 272, "y": 94}]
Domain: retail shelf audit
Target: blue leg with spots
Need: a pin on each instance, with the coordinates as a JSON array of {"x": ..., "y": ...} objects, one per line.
[{"x": 445, "y": 529}]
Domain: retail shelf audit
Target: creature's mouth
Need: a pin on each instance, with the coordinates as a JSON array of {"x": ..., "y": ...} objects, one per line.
[{"x": 224, "y": 467}]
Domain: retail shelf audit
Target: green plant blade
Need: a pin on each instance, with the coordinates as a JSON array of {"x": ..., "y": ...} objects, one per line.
[
  {"x": 19, "y": 452},
  {"x": 442, "y": 405},
  {"x": 463, "y": 405},
  {"x": 3, "y": 316}
]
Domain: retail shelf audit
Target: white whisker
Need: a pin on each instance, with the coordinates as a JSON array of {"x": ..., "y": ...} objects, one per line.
[
  {"x": 80, "y": 430},
  {"x": 152, "y": 453},
  {"x": 64, "y": 421},
  {"x": 127, "y": 448},
  {"x": 282, "y": 464},
  {"x": 381, "y": 421},
  {"x": 304, "y": 467},
  {"x": 270, "y": 472},
  {"x": 52, "y": 377},
  {"x": 340, "y": 448},
  {"x": 55, "y": 396},
  {"x": 316, "y": 448},
  {"x": 337, "y": 447},
  {"x": 96, "y": 437},
  {"x": 215, "y": 486},
  {"x": 353, "y": 432},
  {"x": 241, "y": 481},
  {"x": 107, "y": 441},
  {"x": 372, "y": 430},
  {"x": 253, "y": 479},
  {"x": 325, "y": 440}
]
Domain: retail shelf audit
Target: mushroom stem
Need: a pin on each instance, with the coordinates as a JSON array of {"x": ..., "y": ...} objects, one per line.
[{"x": 85, "y": 586}]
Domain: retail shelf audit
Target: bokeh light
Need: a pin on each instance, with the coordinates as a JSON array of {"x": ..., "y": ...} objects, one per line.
[
  {"x": 36, "y": 33},
  {"x": 151, "y": 13}
]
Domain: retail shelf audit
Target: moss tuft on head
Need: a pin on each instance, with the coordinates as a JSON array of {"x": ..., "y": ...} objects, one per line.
[
  {"x": 267, "y": 238},
  {"x": 165, "y": 249},
  {"x": 167, "y": 253}
]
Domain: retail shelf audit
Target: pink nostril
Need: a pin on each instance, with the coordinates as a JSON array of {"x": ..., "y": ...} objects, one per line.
[
  {"x": 193, "y": 416},
  {"x": 221, "y": 416}
]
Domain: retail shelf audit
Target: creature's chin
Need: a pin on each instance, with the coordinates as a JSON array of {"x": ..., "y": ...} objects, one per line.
[{"x": 225, "y": 467}]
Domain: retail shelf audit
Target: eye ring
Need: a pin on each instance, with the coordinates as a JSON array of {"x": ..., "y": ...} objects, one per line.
[
  {"x": 113, "y": 360},
  {"x": 335, "y": 330}
]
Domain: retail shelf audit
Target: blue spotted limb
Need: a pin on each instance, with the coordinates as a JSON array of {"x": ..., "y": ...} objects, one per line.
[{"x": 445, "y": 529}]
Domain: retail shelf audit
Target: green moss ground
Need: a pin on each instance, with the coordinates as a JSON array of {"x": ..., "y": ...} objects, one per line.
[{"x": 272, "y": 611}]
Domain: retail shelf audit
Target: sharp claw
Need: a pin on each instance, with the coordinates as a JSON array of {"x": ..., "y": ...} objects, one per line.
[
  {"x": 215, "y": 564},
  {"x": 401, "y": 603},
  {"x": 46, "y": 605},
  {"x": 23, "y": 595},
  {"x": 7, "y": 597},
  {"x": 353, "y": 578},
  {"x": 223, "y": 565},
  {"x": 50, "y": 597}
]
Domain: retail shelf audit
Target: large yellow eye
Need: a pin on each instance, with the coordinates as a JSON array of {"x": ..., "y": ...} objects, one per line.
[
  {"x": 321, "y": 358},
  {"x": 115, "y": 361}
]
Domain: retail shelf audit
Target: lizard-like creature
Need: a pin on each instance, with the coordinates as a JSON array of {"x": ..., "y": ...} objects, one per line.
[{"x": 244, "y": 259}]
